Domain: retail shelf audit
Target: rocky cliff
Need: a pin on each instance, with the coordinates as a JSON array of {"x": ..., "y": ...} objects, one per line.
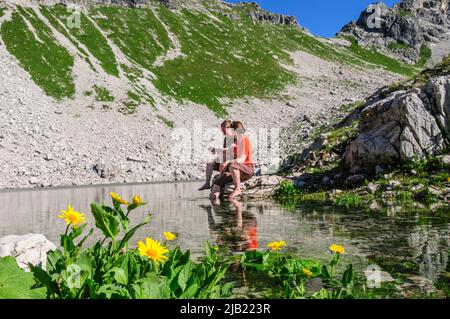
[
  {"x": 410, "y": 122},
  {"x": 408, "y": 30}
]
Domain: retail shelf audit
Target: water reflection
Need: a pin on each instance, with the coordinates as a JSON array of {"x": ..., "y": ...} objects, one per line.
[
  {"x": 231, "y": 227},
  {"x": 407, "y": 244}
]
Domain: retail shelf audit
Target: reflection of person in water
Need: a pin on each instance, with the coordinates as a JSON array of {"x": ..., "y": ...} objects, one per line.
[{"x": 237, "y": 231}]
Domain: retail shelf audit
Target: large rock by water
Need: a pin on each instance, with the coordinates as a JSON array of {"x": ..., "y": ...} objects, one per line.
[
  {"x": 29, "y": 248},
  {"x": 402, "y": 126}
]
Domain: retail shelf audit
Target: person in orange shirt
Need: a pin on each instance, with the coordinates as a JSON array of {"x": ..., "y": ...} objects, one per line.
[{"x": 241, "y": 168}]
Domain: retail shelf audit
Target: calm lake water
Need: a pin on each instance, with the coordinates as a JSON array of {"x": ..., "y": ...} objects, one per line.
[{"x": 413, "y": 246}]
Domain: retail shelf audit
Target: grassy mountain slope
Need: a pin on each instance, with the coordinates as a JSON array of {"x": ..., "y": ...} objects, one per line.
[{"x": 206, "y": 56}]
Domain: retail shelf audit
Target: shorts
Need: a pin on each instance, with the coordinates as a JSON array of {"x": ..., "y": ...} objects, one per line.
[{"x": 246, "y": 171}]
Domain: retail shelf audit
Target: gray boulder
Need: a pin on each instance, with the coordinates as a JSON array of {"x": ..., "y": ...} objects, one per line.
[{"x": 402, "y": 126}]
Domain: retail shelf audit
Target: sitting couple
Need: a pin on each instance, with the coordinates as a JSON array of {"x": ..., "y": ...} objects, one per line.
[{"x": 234, "y": 161}]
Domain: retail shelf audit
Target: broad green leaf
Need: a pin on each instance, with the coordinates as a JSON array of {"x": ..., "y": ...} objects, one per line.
[
  {"x": 119, "y": 275},
  {"x": 53, "y": 259},
  {"x": 184, "y": 275},
  {"x": 148, "y": 288},
  {"x": 190, "y": 292},
  {"x": 16, "y": 283},
  {"x": 112, "y": 291},
  {"x": 106, "y": 222},
  {"x": 347, "y": 277}
]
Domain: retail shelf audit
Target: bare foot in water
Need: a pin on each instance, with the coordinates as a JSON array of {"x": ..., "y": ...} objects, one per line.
[
  {"x": 204, "y": 187},
  {"x": 235, "y": 193}
]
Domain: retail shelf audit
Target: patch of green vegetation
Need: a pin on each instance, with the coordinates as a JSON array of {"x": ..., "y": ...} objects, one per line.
[
  {"x": 87, "y": 34},
  {"x": 398, "y": 46},
  {"x": 222, "y": 60},
  {"x": 103, "y": 95},
  {"x": 341, "y": 135},
  {"x": 441, "y": 69},
  {"x": 404, "y": 196},
  {"x": 137, "y": 32},
  {"x": 352, "y": 106},
  {"x": 425, "y": 55},
  {"x": 133, "y": 96},
  {"x": 404, "y": 13},
  {"x": 373, "y": 56},
  {"x": 166, "y": 121},
  {"x": 49, "y": 64},
  {"x": 129, "y": 107},
  {"x": 287, "y": 189},
  {"x": 59, "y": 27},
  {"x": 87, "y": 93},
  {"x": 2, "y": 11},
  {"x": 347, "y": 199}
]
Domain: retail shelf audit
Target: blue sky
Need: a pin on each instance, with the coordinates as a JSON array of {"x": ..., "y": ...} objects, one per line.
[{"x": 323, "y": 17}]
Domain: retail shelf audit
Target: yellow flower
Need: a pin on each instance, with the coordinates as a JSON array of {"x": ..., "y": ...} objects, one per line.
[
  {"x": 276, "y": 245},
  {"x": 72, "y": 217},
  {"x": 118, "y": 199},
  {"x": 448, "y": 179},
  {"x": 137, "y": 200},
  {"x": 153, "y": 250},
  {"x": 307, "y": 272},
  {"x": 337, "y": 249},
  {"x": 169, "y": 235}
]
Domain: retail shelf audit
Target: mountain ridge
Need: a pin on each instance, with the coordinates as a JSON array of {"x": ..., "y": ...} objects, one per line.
[{"x": 408, "y": 30}]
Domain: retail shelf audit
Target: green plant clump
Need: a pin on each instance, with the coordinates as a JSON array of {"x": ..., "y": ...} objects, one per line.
[
  {"x": 103, "y": 94},
  {"x": 166, "y": 121}
]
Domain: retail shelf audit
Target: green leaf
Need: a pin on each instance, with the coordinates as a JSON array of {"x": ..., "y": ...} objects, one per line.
[
  {"x": 132, "y": 207},
  {"x": 112, "y": 291},
  {"x": 42, "y": 277},
  {"x": 53, "y": 261},
  {"x": 119, "y": 275},
  {"x": 190, "y": 292},
  {"x": 148, "y": 288},
  {"x": 131, "y": 232},
  {"x": 16, "y": 283},
  {"x": 184, "y": 275},
  {"x": 347, "y": 277},
  {"x": 106, "y": 222}
]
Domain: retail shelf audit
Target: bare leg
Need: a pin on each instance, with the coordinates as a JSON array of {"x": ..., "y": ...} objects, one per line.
[
  {"x": 209, "y": 172},
  {"x": 236, "y": 174},
  {"x": 215, "y": 193}
]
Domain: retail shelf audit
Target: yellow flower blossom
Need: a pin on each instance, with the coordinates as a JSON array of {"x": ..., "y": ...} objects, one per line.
[
  {"x": 307, "y": 272},
  {"x": 137, "y": 200},
  {"x": 276, "y": 245},
  {"x": 153, "y": 250},
  {"x": 169, "y": 236},
  {"x": 118, "y": 199},
  {"x": 337, "y": 249},
  {"x": 72, "y": 217}
]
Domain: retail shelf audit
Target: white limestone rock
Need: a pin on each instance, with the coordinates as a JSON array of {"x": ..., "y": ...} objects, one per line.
[{"x": 29, "y": 248}]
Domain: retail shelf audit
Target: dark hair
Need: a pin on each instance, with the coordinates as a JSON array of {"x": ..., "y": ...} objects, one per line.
[
  {"x": 226, "y": 123},
  {"x": 238, "y": 125}
]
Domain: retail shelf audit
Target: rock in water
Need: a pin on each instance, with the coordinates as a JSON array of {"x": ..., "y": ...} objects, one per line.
[
  {"x": 404, "y": 125},
  {"x": 29, "y": 248}
]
